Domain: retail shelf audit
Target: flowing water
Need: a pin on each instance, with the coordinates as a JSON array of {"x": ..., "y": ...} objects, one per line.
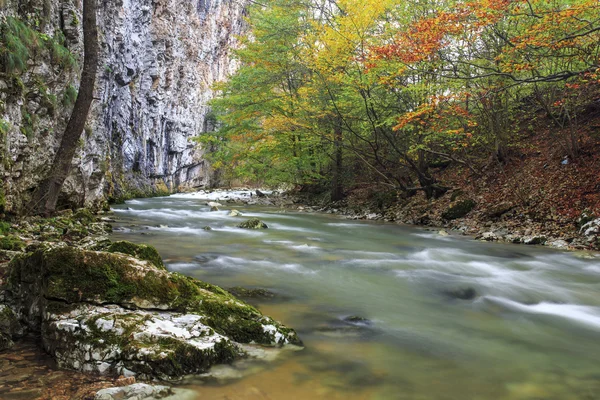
[{"x": 447, "y": 317}]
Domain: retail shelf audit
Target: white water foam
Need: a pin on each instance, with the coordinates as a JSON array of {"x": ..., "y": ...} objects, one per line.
[
  {"x": 238, "y": 262},
  {"x": 586, "y": 315}
]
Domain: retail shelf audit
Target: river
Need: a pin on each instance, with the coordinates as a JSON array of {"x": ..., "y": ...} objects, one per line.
[{"x": 447, "y": 317}]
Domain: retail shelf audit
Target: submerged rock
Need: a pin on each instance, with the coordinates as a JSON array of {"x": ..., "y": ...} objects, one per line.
[
  {"x": 462, "y": 293},
  {"x": 239, "y": 291},
  {"x": 110, "y": 313},
  {"x": 253, "y": 223},
  {"x": 355, "y": 319}
]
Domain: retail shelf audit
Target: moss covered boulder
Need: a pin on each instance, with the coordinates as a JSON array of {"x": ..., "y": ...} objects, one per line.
[
  {"x": 459, "y": 209},
  {"x": 253, "y": 223},
  {"x": 140, "y": 251},
  {"x": 117, "y": 341},
  {"x": 112, "y": 313}
]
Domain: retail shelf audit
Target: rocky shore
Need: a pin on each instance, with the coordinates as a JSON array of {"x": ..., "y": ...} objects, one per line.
[
  {"x": 112, "y": 309},
  {"x": 454, "y": 213}
]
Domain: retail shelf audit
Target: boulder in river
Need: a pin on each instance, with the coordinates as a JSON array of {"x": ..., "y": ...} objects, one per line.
[
  {"x": 213, "y": 204},
  {"x": 253, "y": 223},
  {"x": 235, "y": 213},
  {"x": 110, "y": 313},
  {"x": 356, "y": 320}
]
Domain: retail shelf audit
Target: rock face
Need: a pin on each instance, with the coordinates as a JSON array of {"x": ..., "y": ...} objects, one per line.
[
  {"x": 110, "y": 313},
  {"x": 159, "y": 59}
]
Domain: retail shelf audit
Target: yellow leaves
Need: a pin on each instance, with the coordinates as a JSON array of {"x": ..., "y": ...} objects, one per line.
[{"x": 344, "y": 40}]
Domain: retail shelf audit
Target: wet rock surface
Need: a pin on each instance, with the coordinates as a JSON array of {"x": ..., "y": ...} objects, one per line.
[
  {"x": 253, "y": 223},
  {"x": 115, "y": 310},
  {"x": 26, "y": 372}
]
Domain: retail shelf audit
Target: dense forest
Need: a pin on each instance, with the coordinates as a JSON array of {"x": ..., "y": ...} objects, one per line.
[{"x": 335, "y": 95}]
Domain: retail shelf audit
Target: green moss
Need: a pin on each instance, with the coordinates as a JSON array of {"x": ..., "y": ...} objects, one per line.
[
  {"x": 5, "y": 228},
  {"x": 241, "y": 323},
  {"x": 11, "y": 242},
  {"x": 19, "y": 43},
  {"x": 459, "y": 209},
  {"x": 84, "y": 215},
  {"x": 253, "y": 223},
  {"x": 69, "y": 96},
  {"x": 182, "y": 358},
  {"x": 4, "y": 127},
  {"x": 72, "y": 275},
  {"x": 141, "y": 251}
]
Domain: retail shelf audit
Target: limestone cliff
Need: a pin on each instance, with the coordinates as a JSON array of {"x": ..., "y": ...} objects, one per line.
[{"x": 159, "y": 60}]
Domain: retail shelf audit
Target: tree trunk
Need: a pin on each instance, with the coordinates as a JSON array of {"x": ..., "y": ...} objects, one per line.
[
  {"x": 337, "y": 190},
  {"x": 46, "y": 196}
]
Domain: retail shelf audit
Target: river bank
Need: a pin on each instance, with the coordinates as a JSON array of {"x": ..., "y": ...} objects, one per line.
[{"x": 455, "y": 213}]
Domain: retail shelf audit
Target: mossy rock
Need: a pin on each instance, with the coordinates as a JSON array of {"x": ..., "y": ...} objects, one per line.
[
  {"x": 459, "y": 209},
  {"x": 12, "y": 242},
  {"x": 84, "y": 215},
  {"x": 141, "y": 251},
  {"x": 72, "y": 275},
  {"x": 113, "y": 339},
  {"x": 253, "y": 223}
]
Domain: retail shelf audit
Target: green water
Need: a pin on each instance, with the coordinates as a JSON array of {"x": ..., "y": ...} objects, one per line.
[{"x": 531, "y": 332}]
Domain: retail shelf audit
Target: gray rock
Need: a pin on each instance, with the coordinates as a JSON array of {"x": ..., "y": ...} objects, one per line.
[
  {"x": 158, "y": 63},
  {"x": 558, "y": 244},
  {"x": 488, "y": 237},
  {"x": 110, "y": 313},
  {"x": 533, "y": 240},
  {"x": 235, "y": 213},
  {"x": 139, "y": 391}
]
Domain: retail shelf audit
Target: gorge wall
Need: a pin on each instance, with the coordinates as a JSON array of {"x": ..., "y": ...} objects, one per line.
[{"x": 159, "y": 59}]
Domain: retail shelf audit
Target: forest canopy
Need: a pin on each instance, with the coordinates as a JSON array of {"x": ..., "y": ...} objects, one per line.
[{"x": 334, "y": 92}]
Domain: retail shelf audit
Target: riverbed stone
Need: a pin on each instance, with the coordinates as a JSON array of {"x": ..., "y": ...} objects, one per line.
[
  {"x": 235, "y": 213},
  {"x": 534, "y": 239},
  {"x": 253, "y": 223},
  {"x": 111, "y": 313},
  {"x": 138, "y": 391}
]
